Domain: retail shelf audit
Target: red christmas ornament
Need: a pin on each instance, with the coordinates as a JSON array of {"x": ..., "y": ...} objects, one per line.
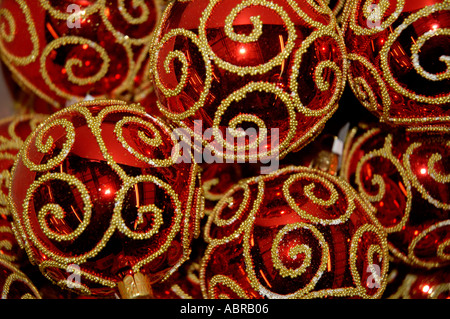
[
  {"x": 100, "y": 202},
  {"x": 14, "y": 284},
  {"x": 409, "y": 283},
  {"x": 406, "y": 178},
  {"x": 65, "y": 50},
  {"x": 185, "y": 282},
  {"x": 13, "y": 132},
  {"x": 297, "y": 233},
  {"x": 217, "y": 179},
  {"x": 254, "y": 65},
  {"x": 9, "y": 247},
  {"x": 337, "y": 6},
  {"x": 399, "y": 60}
]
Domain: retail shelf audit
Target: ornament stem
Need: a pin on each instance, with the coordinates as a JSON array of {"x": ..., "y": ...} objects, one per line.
[{"x": 135, "y": 286}]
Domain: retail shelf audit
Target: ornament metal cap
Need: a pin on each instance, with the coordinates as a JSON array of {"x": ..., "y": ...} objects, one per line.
[
  {"x": 135, "y": 286},
  {"x": 326, "y": 161}
]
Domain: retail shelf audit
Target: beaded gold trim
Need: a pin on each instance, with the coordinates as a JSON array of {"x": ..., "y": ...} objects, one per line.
[
  {"x": 16, "y": 275},
  {"x": 186, "y": 215},
  {"x": 385, "y": 78},
  {"x": 290, "y": 98},
  {"x": 410, "y": 182},
  {"x": 243, "y": 219},
  {"x": 9, "y": 147},
  {"x": 41, "y": 51}
]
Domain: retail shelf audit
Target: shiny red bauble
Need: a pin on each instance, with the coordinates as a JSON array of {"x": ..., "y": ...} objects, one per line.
[
  {"x": 14, "y": 284},
  {"x": 14, "y": 131},
  {"x": 296, "y": 233},
  {"x": 100, "y": 202},
  {"x": 411, "y": 283},
  {"x": 268, "y": 71},
  {"x": 65, "y": 50},
  {"x": 406, "y": 178},
  {"x": 399, "y": 60}
]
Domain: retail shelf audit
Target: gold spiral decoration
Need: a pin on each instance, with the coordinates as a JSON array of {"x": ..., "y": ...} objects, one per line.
[
  {"x": 73, "y": 40},
  {"x": 383, "y": 6},
  {"x": 411, "y": 186},
  {"x": 151, "y": 209},
  {"x": 437, "y": 177},
  {"x": 299, "y": 249},
  {"x": 241, "y": 240},
  {"x": 384, "y": 55},
  {"x": 386, "y": 153},
  {"x": 308, "y": 191},
  {"x": 229, "y": 283},
  {"x": 254, "y": 35},
  {"x": 155, "y": 142},
  {"x": 187, "y": 210},
  {"x": 182, "y": 58},
  {"x": 9, "y": 37},
  {"x": 15, "y": 275},
  {"x": 379, "y": 248},
  {"x": 47, "y": 146},
  {"x": 440, "y": 250},
  {"x": 363, "y": 89},
  {"x": 329, "y": 31},
  {"x": 240, "y": 95},
  {"x": 57, "y": 212}
]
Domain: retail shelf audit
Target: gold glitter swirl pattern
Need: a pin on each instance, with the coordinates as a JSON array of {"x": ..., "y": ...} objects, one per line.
[
  {"x": 257, "y": 31},
  {"x": 387, "y": 26},
  {"x": 12, "y": 275},
  {"x": 290, "y": 259},
  {"x": 73, "y": 40},
  {"x": 169, "y": 92},
  {"x": 128, "y": 27},
  {"x": 384, "y": 53},
  {"x": 155, "y": 141},
  {"x": 151, "y": 217},
  {"x": 171, "y": 70},
  {"x": 299, "y": 249},
  {"x": 11, "y": 142},
  {"x": 9, "y": 37},
  {"x": 417, "y": 177},
  {"x": 383, "y": 5},
  {"x": 47, "y": 146}
]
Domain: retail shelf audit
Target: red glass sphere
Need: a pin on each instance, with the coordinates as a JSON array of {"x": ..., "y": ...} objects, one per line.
[
  {"x": 14, "y": 284},
  {"x": 13, "y": 132},
  {"x": 64, "y": 50},
  {"x": 185, "y": 282},
  {"x": 253, "y": 65},
  {"x": 296, "y": 233},
  {"x": 406, "y": 178},
  {"x": 411, "y": 283},
  {"x": 98, "y": 197},
  {"x": 399, "y": 60}
]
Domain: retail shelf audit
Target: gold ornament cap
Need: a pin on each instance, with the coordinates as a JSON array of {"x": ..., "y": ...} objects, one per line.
[{"x": 135, "y": 286}]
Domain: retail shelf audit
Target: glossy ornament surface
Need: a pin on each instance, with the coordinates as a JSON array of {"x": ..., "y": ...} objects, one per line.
[
  {"x": 14, "y": 131},
  {"x": 399, "y": 60},
  {"x": 297, "y": 233},
  {"x": 185, "y": 282},
  {"x": 255, "y": 65},
  {"x": 408, "y": 283},
  {"x": 63, "y": 50},
  {"x": 9, "y": 247},
  {"x": 14, "y": 284},
  {"x": 98, "y": 197},
  {"x": 406, "y": 178}
]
